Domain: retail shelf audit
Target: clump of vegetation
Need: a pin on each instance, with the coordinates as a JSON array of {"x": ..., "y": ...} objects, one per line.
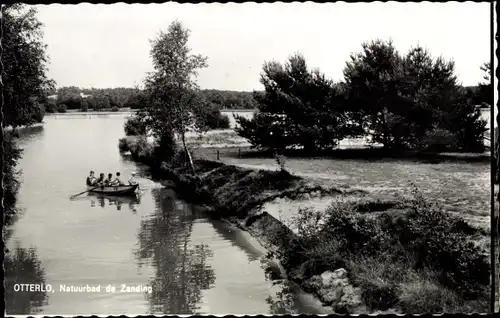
[
  {"x": 209, "y": 117},
  {"x": 115, "y": 109},
  {"x": 61, "y": 108},
  {"x": 134, "y": 126},
  {"x": 123, "y": 145},
  {"x": 417, "y": 260},
  {"x": 439, "y": 140}
]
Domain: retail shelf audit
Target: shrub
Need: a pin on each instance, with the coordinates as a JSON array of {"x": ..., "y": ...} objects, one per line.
[
  {"x": 61, "y": 108},
  {"x": 419, "y": 252},
  {"x": 440, "y": 241},
  {"x": 51, "y": 106},
  {"x": 123, "y": 145},
  {"x": 40, "y": 114},
  {"x": 210, "y": 117},
  {"x": 439, "y": 140},
  {"x": 85, "y": 106},
  {"x": 134, "y": 127},
  {"x": 281, "y": 161},
  {"x": 115, "y": 109}
]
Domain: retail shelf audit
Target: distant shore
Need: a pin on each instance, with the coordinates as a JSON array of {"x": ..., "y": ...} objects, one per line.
[{"x": 73, "y": 112}]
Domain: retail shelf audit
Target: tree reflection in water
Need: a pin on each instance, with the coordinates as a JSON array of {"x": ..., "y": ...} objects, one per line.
[
  {"x": 22, "y": 266},
  {"x": 181, "y": 270}
]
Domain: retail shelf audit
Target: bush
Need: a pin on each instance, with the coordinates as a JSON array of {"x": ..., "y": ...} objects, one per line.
[
  {"x": 392, "y": 256},
  {"x": 115, "y": 109},
  {"x": 85, "y": 106},
  {"x": 134, "y": 127},
  {"x": 11, "y": 155},
  {"x": 51, "y": 106},
  {"x": 210, "y": 117},
  {"x": 61, "y": 108},
  {"x": 439, "y": 140},
  {"x": 38, "y": 116},
  {"x": 123, "y": 145}
]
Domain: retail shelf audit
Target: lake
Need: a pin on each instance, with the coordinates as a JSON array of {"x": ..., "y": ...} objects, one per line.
[{"x": 191, "y": 263}]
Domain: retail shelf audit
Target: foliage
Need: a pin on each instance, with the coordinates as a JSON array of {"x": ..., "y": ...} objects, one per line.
[
  {"x": 84, "y": 106},
  {"x": 300, "y": 108},
  {"x": 11, "y": 154},
  {"x": 439, "y": 140},
  {"x": 51, "y": 106},
  {"x": 134, "y": 126},
  {"x": 115, "y": 109},
  {"x": 171, "y": 88},
  {"x": 24, "y": 60},
  {"x": 230, "y": 99},
  {"x": 208, "y": 116},
  {"x": 25, "y": 88},
  {"x": 403, "y": 98},
  {"x": 388, "y": 252},
  {"x": 61, "y": 108},
  {"x": 485, "y": 89}
]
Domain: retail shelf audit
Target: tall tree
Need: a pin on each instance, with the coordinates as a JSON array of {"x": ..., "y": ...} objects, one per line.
[
  {"x": 172, "y": 86},
  {"x": 373, "y": 79},
  {"x": 299, "y": 108},
  {"x": 24, "y": 59},
  {"x": 411, "y": 101},
  {"x": 486, "y": 87},
  {"x": 25, "y": 87}
]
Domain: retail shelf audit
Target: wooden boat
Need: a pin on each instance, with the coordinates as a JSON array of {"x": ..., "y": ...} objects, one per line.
[{"x": 114, "y": 190}]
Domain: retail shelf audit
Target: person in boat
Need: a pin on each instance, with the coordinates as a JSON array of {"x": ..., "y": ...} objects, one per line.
[
  {"x": 109, "y": 180},
  {"x": 131, "y": 180},
  {"x": 118, "y": 181},
  {"x": 100, "y": 181},
  {"x": 91, "y": 180}
]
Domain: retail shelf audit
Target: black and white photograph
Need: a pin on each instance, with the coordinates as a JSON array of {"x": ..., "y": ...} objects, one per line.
[{"x": 249, "y": 158}]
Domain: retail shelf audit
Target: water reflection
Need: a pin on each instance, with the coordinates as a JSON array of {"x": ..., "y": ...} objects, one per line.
[
  {"x": 23, "y": 267},
  {"x": 117, "y": 201},
  {"x": 181, "y": 269}
]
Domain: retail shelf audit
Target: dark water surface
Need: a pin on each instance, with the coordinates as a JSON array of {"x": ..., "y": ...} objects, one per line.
[{"x": 192, "y": 264}]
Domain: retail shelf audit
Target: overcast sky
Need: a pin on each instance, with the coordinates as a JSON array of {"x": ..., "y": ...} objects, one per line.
[{"x": 108, "y": 45}]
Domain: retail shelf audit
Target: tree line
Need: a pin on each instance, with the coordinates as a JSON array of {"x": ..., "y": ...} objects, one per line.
[
  {"x": 70, "y": 98},
  {"x": 401, "y": 101}
]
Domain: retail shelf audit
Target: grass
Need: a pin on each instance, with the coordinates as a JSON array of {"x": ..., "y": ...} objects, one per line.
[{"x": 461, "y": 187}]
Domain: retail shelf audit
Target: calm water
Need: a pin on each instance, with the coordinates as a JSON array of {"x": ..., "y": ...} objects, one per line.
[{"x": 192, "y": 264}]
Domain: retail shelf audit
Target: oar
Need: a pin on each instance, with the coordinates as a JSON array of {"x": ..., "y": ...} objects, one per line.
[{"x": 74, "y": 196}]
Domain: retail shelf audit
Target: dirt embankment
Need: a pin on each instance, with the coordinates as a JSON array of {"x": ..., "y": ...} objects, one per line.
[{"x": 239, "y": 195}]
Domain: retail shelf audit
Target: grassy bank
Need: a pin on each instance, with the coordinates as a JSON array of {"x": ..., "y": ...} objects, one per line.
[{"x": 363, "y": 253}]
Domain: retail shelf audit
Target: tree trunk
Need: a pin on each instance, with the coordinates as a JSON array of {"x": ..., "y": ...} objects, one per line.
[{"x": 188, "y": 154}]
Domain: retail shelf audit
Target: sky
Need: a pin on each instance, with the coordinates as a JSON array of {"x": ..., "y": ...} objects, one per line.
[{"x": 106, "y": 46}]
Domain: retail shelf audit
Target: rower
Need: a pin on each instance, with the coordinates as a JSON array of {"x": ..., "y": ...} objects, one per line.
[
  {"x": 109, "y": 181},
  {"x": 100, "y": 181},
  {"x": 117, "y": 181},
  {"x": 131, "y": 180},
  {"x": 91, "y": 179}
]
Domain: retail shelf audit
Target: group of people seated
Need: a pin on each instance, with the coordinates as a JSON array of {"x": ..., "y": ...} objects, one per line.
[{"x": 109, "y": 181}]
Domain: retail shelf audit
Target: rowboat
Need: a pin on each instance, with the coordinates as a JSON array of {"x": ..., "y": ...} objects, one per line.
[{"x": 114, "y": 190}]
